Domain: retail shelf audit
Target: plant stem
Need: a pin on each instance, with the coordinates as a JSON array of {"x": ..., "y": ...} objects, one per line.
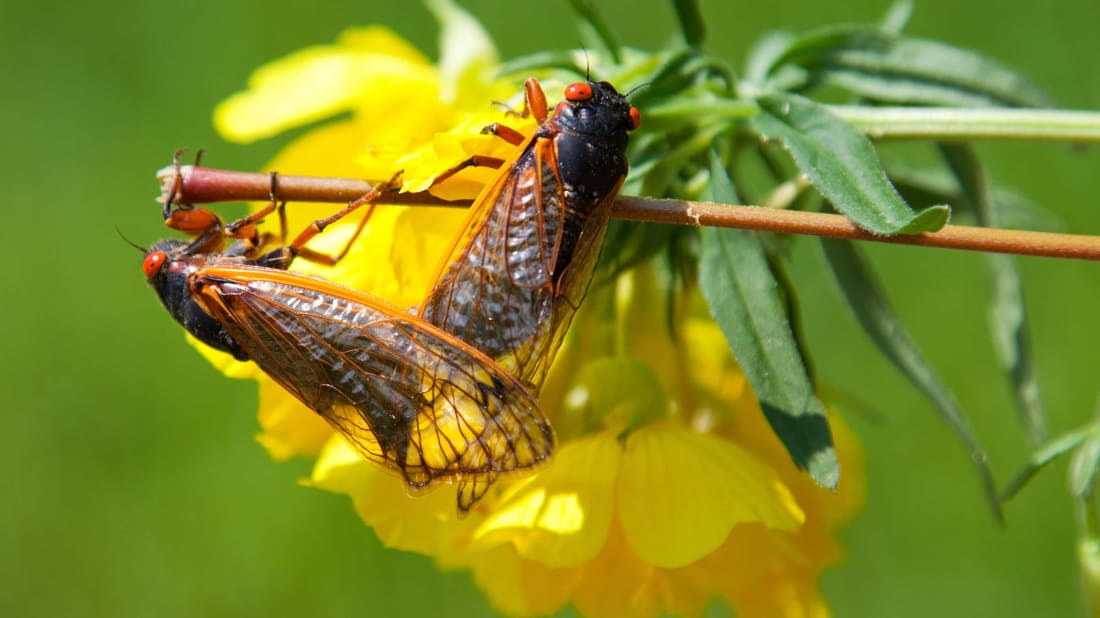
[
  {"x": 962, "y": 237},
  {"x": 205, "y": 185},
  {"x": 962, "y": 123}
]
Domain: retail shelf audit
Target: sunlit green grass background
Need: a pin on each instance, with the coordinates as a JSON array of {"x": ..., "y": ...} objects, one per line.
[{"x": 131, "y": 485}]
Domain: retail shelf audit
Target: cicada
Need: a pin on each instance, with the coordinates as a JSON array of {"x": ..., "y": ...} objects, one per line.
[
  {"x": 523, "y": 262},
  {"x": 401, "y": 391}
]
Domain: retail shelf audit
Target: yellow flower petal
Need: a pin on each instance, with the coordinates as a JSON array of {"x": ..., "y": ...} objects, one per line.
[
  {"x": 422, "y": 162},
  {"x": 423, "y": 524},
  {"x": 314, "y": 84},
  {"x": 617, "y": 583},
  {"x": 423, "y": 236},
  {"x": 760, "y": 572},
  {"x": 842, "y": 505},
  {"x": 367, "y": 265},
  {"x": 224, "y": 362},
  {"x": 327, "y": 150},
  {"x": 560, "y": 517},
  {"x": 289, "y": 428},
  {"x": 380, "y": 40},
  {"x": 680, "y": 494},
  {"x": 518, "y": 587}
]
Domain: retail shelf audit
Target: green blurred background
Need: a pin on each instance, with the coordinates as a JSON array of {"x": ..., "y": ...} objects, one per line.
[{"x": 132, "y": 485}]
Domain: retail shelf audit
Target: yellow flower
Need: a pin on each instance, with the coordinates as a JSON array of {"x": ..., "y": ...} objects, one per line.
[
  {"x": 702, "y": 503},
  {"x": 667, "y": 490}
]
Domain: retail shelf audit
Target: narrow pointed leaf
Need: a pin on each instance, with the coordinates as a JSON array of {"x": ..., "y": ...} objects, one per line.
[
  {"x": 597, "y": 25},
  {"x": 1045, "y": 456},
  {"x": 921, "y": 186},
  {"x": 897, "y": 16},
  {"x": 765, "y": 53},
  {"x": 691, "y": 21},
  {"x": 523, "y": 66},
  {"x": 742, "y": 294},
  {"x": 877, "y": 317},
  {"x": 842, "y": 165},
  {"x": 1082, "y": 467},
  {"x": 1007, "y": 309},
  {"x": 885, "y": 66}
]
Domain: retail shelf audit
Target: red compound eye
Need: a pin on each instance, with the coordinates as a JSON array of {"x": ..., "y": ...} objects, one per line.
[
  {"x": 635, "y": 117},
  {"x": 152, "y": 263},
  {"x": 579, "y": 91}
]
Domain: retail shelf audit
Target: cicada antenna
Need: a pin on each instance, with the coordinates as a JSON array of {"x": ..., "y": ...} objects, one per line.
[{"x": 130, "y": 242}]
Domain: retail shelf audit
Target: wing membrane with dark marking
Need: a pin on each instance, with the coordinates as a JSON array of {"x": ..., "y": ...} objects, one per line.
[{"x": 401, "y": 391}]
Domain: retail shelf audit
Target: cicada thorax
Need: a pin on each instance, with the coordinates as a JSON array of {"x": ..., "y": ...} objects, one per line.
[{"x": 518, "y": 273}]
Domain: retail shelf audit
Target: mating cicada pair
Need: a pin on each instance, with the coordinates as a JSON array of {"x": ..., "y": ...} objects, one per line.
[{"x": 446, "y": 391}]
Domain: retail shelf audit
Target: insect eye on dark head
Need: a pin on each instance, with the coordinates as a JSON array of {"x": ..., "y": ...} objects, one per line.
[
  {"x": 154, "y": 261},
  {"x": 158, "y": 255},
  {"x": 577, "y": 92}
]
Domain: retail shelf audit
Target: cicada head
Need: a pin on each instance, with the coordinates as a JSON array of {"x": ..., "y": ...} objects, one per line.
[
  {"x": 596, "y": 110},
  {"x": 168, "y": 265},
  {"x": 590, "y": 128}
]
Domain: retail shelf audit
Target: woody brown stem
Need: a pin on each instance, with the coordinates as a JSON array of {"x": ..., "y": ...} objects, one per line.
[
  {"x": 205, "y": 185},
  {"x": 967, "y": 238}
]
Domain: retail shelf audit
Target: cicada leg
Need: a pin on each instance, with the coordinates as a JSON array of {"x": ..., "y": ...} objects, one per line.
[
  {"x": 184, "y": 217},
  {"x": 245, "y": 227},
  {"x": 298, "y": 248},
  {"x": 534, "y": 102},
  {"x": 534, "y": 105}
]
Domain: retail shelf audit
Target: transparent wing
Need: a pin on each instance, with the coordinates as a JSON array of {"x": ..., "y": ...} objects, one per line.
[
  {"x": 401, "y": 391},
  {"x": 521, "y": 267}
]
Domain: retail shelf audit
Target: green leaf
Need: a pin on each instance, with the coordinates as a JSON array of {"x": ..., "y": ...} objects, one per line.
[
  {"x": 630, "y": 243},
  {"x": 1082, "y": 467},
  {"x": 742, "y": 294},
  {"x": 691, "y": 21},
  {"x": 765, "y": 53},
  {"x": 886, "y": 66},
  {"x": 877, "y": 317},
  {"x": 1007, "y": 310},
  {"x": 788, "y": 295},
  {"x": 842, "y": 165},
  {"x": 592, "y": 21},
  {"x": 523, "y": 66},
  {"x": 1045, "y": 456},
  {"x": 672, "y": 76},
  {"x": 926, "y": 186},
  {"x": 621, "y": 391},
  {"x": 897, "y": 16}
]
